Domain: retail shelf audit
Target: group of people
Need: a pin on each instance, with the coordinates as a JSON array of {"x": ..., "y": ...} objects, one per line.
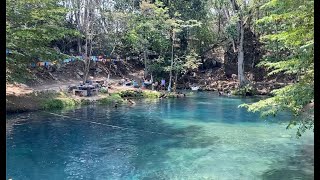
[
  {"x": 126, "y": 82},
  {"x": 145, "y": 83},
  {"x": 157, "y": 87}
]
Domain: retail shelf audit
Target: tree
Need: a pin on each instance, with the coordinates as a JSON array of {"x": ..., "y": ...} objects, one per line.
[
  {"x": 86, "y": 18},
  {"x": 176, "y": 25},
  {"x": 240, "y": 10},
  {"x": 185, "y": 64},
  {"x": 149, "y": 30},
  {"x": 233, "y": 16},
  {"x": 31, "y": 27},
  {"x": 197, "y": 38},
  {"x": 295, "y": 40}
]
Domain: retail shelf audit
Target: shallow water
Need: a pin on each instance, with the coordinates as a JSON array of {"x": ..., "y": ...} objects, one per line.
[{"x": 200, "y": 137}]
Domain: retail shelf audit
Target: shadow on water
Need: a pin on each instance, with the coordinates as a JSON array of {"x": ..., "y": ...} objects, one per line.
[
  {"x": 297, "y": 167},
  {"x": 72, "y": 146},
  {"x": 285, "y": 173}
]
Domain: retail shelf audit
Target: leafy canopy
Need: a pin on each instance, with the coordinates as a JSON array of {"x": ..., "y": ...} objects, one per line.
[{"x": 294, "y": 37}]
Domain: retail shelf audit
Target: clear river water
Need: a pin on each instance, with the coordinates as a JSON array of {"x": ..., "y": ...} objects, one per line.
[{"x": 204, "y": 136}]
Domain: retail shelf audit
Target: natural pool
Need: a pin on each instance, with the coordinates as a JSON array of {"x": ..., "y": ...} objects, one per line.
[{"x": 200, "y": 137}]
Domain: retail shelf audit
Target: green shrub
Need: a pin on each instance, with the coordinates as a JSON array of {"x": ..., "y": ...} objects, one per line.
[
  {"x": 59, "y": 103},
  {"x": 130, "y": 93},
  {"x": 113, "y": 98},
  {"x": 151, "y": 94},
  {"x": 247, "y": 90}
]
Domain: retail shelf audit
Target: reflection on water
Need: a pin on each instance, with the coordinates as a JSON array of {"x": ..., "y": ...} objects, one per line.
[{"x": 201, "y": 137}]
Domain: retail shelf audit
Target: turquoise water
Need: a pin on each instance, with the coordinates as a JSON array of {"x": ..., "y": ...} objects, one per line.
[{"x": 200, "y": 137}]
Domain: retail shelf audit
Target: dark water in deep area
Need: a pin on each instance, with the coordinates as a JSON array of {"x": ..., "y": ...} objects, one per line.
[{"x": 200, "y": 137}]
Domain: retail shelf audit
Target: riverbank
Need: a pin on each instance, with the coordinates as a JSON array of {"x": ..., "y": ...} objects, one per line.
[{"x": 21, "y": 98}]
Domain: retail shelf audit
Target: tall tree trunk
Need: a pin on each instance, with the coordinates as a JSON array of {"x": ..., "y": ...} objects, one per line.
[
  {"x": 88, "y": 17},
  {"x": 258, "y": 17},
  {"x": 172, "y": 59},
  {"x": 87, "y": 62},
  {"x": 241, "y": 77},
  {"x": 234, "y": 47},
  {"x": 219, "y": 22},
  {"x": 145, "y": 63},
  {"x": 79, "y": 45},
  {"x": 226, "y": 12},
  {"x": 175, "y": 82},
  {"x": 240, "y": 30}
]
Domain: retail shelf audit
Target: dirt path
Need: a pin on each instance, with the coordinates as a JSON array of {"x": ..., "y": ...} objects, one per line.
[
  {"x": 18, "y": 89},
  {"x": 56, "y": 85},
  {"x": 21, "y": 89}
]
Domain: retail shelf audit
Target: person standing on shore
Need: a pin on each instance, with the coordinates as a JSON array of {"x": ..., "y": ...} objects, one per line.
[
  {"x": 156, "y": 85},
  {"x": 163, "y": 84}
]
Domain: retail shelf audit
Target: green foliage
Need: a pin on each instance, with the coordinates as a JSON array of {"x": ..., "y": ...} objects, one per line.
[
  {"x": 306, "y": 121},
  {"x": 247, "y": 90},
  {"x": 187, "y": 9},
  {"x": 130, "y": 93},
  {"x": 192, "y": 62},
  {"x": 231, "y": 27},
  {"x": 151, "y": 94},
  {"x": 206, "y": 36},
  {"x": 139, "y": 94},
  {"x": 112, "y": 99},
  {"x": 18, "y": 73},
  {"x": 231, "y": 30},
  {"x": 31, "y": 26},
  {"x": 60, "y": 103},
  {"x": 295, "y": 37},
  {"x": 154, "y": 29},
  {"x": 158, "y": 67},
  {"x": 186, "y": 63},
  {"x": 149, "y": 27}
]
